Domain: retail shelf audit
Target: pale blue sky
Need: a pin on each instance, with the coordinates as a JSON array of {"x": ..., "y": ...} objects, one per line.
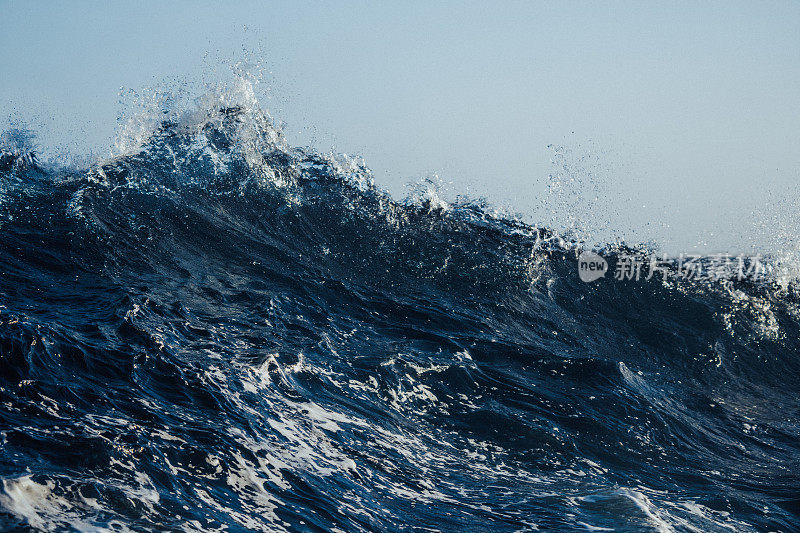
[{"x": 683, "y": 117}]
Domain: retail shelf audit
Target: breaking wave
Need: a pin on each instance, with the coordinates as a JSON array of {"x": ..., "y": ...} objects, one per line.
[{"x": 213, "y": 330}]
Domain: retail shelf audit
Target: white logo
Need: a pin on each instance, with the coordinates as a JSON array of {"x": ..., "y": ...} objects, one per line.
[{"x": 591, "y": 266}]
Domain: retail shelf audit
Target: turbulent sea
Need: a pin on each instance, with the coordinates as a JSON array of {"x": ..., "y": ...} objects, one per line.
[{"x": 214, "y": 331}]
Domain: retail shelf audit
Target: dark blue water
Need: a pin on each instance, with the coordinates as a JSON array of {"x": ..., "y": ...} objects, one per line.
[{"x": 218, "y": 332}]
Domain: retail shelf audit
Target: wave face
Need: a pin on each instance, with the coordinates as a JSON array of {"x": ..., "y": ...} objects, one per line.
[{"x": 215, "y": 331}]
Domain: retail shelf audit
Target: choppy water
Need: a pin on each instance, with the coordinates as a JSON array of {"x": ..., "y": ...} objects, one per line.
[{"x": 215, "y": 331}]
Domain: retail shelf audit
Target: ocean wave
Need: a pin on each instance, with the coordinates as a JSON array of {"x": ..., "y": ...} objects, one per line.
[{"x": 214, "y": 330}]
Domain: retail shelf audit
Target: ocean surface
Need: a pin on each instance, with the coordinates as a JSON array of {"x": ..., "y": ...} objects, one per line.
[{"x": 214, "y": 331}]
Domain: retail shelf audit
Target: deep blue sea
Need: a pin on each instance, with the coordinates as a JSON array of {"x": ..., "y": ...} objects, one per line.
[{"x": 214, "y": 331}]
